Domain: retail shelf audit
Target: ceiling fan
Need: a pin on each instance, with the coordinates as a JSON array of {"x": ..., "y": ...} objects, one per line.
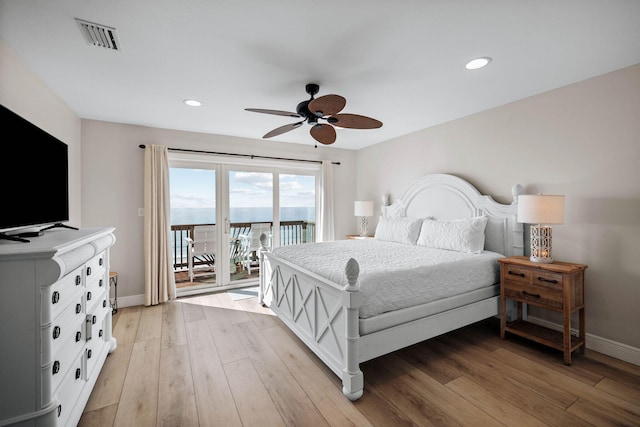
[{"x": 325, "y": 108}]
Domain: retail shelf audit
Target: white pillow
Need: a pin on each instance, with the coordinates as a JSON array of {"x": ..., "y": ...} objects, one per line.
[
  {"x": 462, "y": 235},
  {"x": 400, "y": 230}
]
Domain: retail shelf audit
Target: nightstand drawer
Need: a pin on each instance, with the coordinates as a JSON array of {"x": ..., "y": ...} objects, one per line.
[
  {"x": 532, "y": 294},
  {"x": 517, "y": 274}
]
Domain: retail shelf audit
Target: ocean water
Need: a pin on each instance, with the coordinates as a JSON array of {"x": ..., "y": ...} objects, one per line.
[{"x": 182, "y": 216}]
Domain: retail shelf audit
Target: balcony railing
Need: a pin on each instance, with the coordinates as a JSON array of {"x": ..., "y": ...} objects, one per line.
[{"x": 291, "y": 233}]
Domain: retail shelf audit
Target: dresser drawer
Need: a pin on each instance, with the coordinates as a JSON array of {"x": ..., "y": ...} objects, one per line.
[
  {"x": 68, "y": 325},
  {"x": 54, "y": 371},
  {"x": 55, "y": 298},
  {"x": 70, "y": 388}
]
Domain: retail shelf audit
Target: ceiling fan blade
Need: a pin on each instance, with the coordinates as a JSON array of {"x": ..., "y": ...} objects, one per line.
[
  {"x": 324, "y": 134},
  {"x": 327, "y": 105},
  {"x": 283, "y": 129},
  {"x": 354, "y": 121},
  {"x": 276, "y": 112}
]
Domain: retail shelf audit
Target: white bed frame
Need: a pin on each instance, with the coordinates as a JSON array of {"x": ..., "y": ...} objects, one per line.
[{"x": 324, "y": 315}]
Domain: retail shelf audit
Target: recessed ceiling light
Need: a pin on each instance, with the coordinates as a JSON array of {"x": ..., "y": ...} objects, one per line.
[
  {"x": 192, "y": 102},
  {"x": 474, "y": 64}
]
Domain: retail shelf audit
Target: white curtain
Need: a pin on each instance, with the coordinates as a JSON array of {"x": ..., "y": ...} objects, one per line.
[
  {"x": 326, "y": 231},
  {"x": 160, "y": 285}
]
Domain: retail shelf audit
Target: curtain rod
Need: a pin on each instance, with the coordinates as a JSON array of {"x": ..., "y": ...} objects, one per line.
[{"x": 253, "y": 156}]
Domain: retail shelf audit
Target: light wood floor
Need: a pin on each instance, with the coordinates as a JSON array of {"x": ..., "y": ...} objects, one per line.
[{"x": 211, "y": 361}]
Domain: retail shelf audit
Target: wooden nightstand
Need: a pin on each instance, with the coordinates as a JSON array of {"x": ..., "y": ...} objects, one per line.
[
  {"x": 357, "y": 237},
  {"x": 558, "y": 287}
]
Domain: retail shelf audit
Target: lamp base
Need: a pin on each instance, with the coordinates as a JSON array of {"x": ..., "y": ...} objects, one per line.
[
  {"x": 541, "y": 260},
  {"x": 363, "y": 226},
  {"x": 541, "y": 244}
]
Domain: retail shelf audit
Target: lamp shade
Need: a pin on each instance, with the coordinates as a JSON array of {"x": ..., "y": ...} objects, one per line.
[
  {"x": 541, "y": 209},
  {"x": 363, "y": 208}
]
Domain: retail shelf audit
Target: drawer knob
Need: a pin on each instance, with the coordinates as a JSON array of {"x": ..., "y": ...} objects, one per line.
[
  {"x": 104, "y": 304},
  {"x": 56, "y": 367},
  {"x": 100, "y": 261},
  {"x": 56, "y": 332},
  {"x": 529, "y": 294},
  {"x": 78, "y": 308},
  {"x": 100, "y": 333},
  {"x": 78, "y": 336},
  {"x": 78, "y": 280},
  {"x": 88, "y": 296},
  {"x": 93, "y": 320},
  {"x": 59, "y": 410},
  {"x": 513, "y": 273},
  {"x": 55, "y": 297},
  {"x": 89, "y": 354},
  {"x": 100, "y": 283},
  {"x": 542, "y": 279},
  {"x": 78, "y": 372},
  {"x": 88, "y": 271}
]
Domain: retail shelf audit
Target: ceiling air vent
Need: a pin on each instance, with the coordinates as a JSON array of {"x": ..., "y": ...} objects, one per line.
[{"x": 99, "y": 35}]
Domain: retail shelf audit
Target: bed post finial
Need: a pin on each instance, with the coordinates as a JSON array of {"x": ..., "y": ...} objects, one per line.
[
  {"x": 515, "y": 192},
  {"x": 352, "y": 270}
]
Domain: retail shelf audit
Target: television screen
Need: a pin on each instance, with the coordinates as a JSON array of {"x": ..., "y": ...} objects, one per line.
[{"x": 34, "y": 175}]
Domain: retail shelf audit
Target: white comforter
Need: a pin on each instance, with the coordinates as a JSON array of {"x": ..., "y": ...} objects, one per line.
[{"x": 395, "y": 275}]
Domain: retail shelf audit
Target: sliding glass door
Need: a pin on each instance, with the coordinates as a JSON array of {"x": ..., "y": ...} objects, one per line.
[{"x": 237, "y": 202}]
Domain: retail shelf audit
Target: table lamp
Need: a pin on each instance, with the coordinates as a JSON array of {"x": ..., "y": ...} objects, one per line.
[
  {"x": 363, "y": 209},
  {"x": 540, "y": 210}
]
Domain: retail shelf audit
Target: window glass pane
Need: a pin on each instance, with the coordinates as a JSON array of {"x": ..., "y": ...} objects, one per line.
[{"x": 297, "y": 209}]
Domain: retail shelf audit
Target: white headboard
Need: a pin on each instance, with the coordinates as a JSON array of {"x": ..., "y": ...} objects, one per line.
[{"x": 445, "y": 196}]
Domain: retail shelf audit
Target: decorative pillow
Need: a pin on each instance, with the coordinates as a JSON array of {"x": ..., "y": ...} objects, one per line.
[
  {"x": 462, "y": 235},
  {"x": 400, "y": 230}
]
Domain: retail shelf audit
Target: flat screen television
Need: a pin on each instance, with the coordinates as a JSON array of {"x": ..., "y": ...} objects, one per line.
[{"x": 34, "y": 174}]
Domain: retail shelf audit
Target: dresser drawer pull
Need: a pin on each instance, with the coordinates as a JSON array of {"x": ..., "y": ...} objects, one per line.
[
  {"x": 530, "y": 294},
  {"x": 513, "y": 273},
  {"x": 88, "y": 271},
  {"x": 56, "y": 367},
  {"x": 542, "y": 279},
  {"x": 55, "y": 297},
  {"x": 104, "y": 304},
  {"x": 93, "y": 320},
  {"x": 100, "y": 283},
  {"x": 78, "y": 280},
  {"x": 59, "y": 410},
  {"x": 56, "y": 332},
  {"x": 78, "y": 308},
  {"x": 100, "y": 333},
  {"x": 100, "y": 261},
  {"x": 78, "y": 372},
  {"x": 78, "y": 336},
  {"x": 89, "y": 354},
  {"x": 88, "y": 296}
]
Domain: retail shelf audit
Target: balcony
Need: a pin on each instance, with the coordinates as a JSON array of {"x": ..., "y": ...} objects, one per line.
[{"x": 291, "y": 233}]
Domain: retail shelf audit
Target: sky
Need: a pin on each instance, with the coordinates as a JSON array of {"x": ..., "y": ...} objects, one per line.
[{"x": 195, "y": 188}]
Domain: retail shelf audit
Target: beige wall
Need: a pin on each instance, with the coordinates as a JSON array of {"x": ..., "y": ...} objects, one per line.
[{"x": 582, "y": 141}]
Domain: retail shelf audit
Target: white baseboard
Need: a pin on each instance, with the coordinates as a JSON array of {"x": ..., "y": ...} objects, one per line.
[
  {"x": 130, "y": 301},
  {"x": 601, "y": 345}
]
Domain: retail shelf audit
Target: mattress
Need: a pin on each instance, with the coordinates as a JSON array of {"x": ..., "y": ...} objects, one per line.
[{"x": 395, "y": 276}]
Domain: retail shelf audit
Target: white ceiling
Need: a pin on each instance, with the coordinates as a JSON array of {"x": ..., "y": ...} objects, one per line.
[{"x": 401, "y": 62}]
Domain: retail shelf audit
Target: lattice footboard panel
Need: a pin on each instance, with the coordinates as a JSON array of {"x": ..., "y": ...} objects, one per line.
[{"x": 312, "y": 308}]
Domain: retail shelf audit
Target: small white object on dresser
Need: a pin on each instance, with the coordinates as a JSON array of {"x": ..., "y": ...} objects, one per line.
[{"x": 55, "y": 324}]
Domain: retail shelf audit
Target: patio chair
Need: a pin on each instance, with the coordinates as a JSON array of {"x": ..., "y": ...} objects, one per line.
[
  {"x": 201, "y": 251},
  {"x": 250, "y": 243}
]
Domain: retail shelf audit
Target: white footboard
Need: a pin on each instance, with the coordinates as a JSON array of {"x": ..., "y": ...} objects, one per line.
[{"x": 321, "y": 313}]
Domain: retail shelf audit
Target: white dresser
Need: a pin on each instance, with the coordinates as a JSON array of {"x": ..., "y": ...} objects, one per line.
[{"x": 55, "y": 324}]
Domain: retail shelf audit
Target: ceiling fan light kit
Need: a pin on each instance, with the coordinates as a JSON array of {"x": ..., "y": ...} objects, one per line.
[{"x": 326, "y": 108}]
